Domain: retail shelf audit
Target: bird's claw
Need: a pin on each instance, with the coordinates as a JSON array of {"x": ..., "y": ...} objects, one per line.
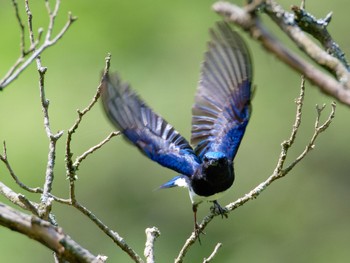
[{"x": 219, "y": 210}]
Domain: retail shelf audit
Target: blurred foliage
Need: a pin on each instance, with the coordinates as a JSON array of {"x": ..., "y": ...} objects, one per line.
[{"x": 157, "y": 46}]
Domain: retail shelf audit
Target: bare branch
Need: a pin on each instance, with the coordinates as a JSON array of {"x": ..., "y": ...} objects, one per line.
[
  {"x": 279, "y": 171},
  {"x": 283, "y": 19},
  {"x": 318, "y": 29},
  {"x": 45, "y": 197},
  {"x": 112, "y": 234},
  {"x": 212, "y": 255},
  {"x": 22, "y": 44},
  {"x": 23, "y": 61},
  {"x": 249, "y": 21},
  {"x": 70, "y": 168},
  {"x": 151, "y": 235},
  {"x": 46, "y": 200},
  {"x": 18, "y": 199},
  {"x": 4, "y": 159},
  {"x": 93, "y": 149},
  {"x": 43, "y": 209},
  {"x": 45, "y": 233},
  {"x": 318, "y": 130}
]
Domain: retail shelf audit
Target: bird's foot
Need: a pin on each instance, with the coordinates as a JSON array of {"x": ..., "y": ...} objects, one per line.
[
  {"x": 198, "y": 231},
  {"x": 219, "y": 210}
]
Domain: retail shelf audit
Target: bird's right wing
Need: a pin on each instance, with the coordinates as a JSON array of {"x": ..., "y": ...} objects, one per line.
[{"x": 156, "y": 138}]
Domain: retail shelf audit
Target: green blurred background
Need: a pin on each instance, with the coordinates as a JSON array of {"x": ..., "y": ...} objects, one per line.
[{"x": 158, "y": 46}]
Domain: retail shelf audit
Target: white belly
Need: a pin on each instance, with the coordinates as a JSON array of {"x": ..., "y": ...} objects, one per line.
[{"x": 197, "y": 199}]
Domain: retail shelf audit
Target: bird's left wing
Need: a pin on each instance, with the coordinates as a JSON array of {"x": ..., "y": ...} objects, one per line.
[
  {"x": 144, "y": 128},
  {"x": 222, "y": 104}
]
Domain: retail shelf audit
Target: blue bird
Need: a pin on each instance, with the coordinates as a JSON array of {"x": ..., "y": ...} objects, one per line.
[{"x": 220, "y": 115}]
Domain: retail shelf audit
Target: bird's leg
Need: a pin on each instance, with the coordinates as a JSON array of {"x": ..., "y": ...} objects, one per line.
[
  {"x": 218, "y": 209},
  {"x": 196, "y": 226}
]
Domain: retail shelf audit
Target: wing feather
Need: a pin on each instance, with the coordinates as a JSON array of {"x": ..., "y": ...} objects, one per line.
[
  {"x": 222, "y": 103},
  {"x": 156, "y": 138}
]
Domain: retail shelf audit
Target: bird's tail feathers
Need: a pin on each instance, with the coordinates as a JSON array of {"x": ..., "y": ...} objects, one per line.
[{"x": 180, "y": 180}]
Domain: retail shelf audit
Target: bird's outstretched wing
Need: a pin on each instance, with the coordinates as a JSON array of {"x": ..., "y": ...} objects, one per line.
[
  {"x": 222, "y": 103},
  {"x": 144, "y": 128}
]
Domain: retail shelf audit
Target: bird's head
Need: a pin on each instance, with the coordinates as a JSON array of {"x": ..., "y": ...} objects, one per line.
[{"x": 215, "y": 159}]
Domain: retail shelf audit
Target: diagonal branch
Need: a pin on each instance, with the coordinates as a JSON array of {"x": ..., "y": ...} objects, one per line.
[
  {"x": 24, "y": 61},
  {"x": 116, "y": 238},
  {"x": 279, "y": 171},
  {"x": 71, "y": 168},
  {"x": 45, "y": 233},
  {"x": 213, "y": 254},
  {"x": 248, "y": 20},
  {"x": 318, "y": 29},
  {"x": 4, "y": 159},
  {"x": 82, "y": 157}
]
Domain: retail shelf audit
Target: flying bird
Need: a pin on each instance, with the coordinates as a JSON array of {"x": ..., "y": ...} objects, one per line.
[{"x": 220, "y": 115}]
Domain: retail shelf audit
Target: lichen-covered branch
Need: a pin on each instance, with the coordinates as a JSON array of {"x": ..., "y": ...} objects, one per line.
[
  {"x": 151, "y": 235},
  {"x": 287, "y": 22},
  {"x": 248, "y": 19},
  {"x": 50, "y": 236},
  {"x": 318, "y": 29}
]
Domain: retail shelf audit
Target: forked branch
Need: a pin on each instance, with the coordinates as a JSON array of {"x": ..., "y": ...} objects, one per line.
[{"x": 248, "y": 19}]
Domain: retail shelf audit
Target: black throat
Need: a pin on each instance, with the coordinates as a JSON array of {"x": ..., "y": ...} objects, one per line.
[{"x": 211, "y": 180}]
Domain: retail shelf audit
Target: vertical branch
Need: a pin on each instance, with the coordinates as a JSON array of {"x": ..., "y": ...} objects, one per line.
[
  {"x": 52, "y": 15},
  {"x": 151, "y": 235},
  {"x": 21, "y": 25},
  {"x": 49, "y": 176},
  {"x": 70, "y": 167}
]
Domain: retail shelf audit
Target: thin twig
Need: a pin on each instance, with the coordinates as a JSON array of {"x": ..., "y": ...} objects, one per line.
[
  {"x": 22, "y": 62},
  {"x": 82, "y": 157},
  {"x": 288, "y": 143},
  {"x": 318, "y": 130},
  {"x": 212, "y": 255},
  {"x": 279, "y": 171},
  {"x": 112, "y": 234},
  {"x": 70, "y": 168},
  {"x": 38, "y": 190},
  {"x": 46, "y": 200},
  {"x": 4, "y": 159}
]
